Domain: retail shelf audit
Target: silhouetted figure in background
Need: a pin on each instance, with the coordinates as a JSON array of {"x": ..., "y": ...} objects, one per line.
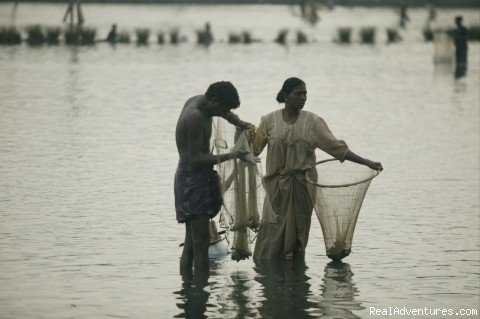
[
  {"x": 14, "y": 12},
  {"x": 208, "y": 34},
  {"x": 432, "y": 12},
  {"x": 461, "y": 48},
  {"x": 330, "y": 4},
  {"x": 403, "y": 16},
  {"x": 112, "y": 35},
  {"x": 71, "y": 12},
  {"x": 205, "y": 36},
  {"x": 313, "y": 17},
  {"x": 303, "y": 6}
]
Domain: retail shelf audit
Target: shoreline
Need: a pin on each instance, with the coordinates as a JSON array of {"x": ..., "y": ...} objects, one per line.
[{"x": 344, "y": 3}]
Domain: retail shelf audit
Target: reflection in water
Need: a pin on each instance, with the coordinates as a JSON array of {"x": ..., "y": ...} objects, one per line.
[
  {"x": 339, "y": 292},
  {"x": 285, "y": 289},
  {"x": 193, "y": 296},
  {"x": 443, "y": 69},
  {"x": 287, "y": 293},
  {"x": 74, "y": 57},
  {"x": 460, "y": 87},
  {"x": 73, "y": 86},
  {"x": 240, "y": 295}
]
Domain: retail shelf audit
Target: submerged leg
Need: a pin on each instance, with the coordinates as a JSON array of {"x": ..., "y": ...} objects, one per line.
[
  {"x": 201, "y": 240},
  {"x": 186, "y": 261}
]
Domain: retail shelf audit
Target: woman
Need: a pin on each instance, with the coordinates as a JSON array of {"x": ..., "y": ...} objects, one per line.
[{"x": 292, "y": 135}]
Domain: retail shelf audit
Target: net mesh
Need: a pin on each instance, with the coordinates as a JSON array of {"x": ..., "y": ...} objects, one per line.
[
  {"x": 241, "y": 184},
  {"x": 337, "y": 196}
]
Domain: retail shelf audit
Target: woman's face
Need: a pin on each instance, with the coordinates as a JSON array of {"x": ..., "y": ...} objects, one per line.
[{"x": 297, "y": 97}]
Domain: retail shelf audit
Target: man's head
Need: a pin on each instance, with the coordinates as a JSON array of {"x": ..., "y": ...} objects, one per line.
[
  {"x": 458, "y": 20},
  {"x": 223, "y": 95}
]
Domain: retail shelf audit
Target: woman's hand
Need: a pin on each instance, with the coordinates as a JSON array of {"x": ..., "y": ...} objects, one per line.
[
  {"x": 351, "y": 156},
  {"x": 375, "y": 165}
]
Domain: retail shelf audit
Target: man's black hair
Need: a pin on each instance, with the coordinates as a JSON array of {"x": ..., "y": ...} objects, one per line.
[{"x": 226, "y": 94}]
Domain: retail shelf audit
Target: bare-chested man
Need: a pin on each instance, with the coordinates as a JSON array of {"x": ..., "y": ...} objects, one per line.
[{"x": 197, "y": 193}]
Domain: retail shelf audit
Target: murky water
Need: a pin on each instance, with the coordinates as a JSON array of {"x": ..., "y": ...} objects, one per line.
[{"x": 87, "y": 157}]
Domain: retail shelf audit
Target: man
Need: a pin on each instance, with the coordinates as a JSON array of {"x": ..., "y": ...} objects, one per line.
[
  {"x": 404, "y": 18},
  {"x": 112, "y": 35},
  {"x": 461, "y": 48},
  {"x": 197, "y": 189}
]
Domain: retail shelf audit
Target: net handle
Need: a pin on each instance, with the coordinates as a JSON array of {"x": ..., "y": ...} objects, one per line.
[{"x": 375, "y": 174}]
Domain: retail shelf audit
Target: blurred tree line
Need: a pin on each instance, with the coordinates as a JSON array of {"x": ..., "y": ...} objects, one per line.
[{"x": 412, "y": 3}]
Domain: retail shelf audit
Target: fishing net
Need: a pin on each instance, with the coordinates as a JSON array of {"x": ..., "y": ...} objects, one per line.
[
  {"x": 337, "y": 196},
  {"x": 241, "y": 185}
]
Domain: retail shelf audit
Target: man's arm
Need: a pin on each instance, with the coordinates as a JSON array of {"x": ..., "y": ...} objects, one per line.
[
  {"x": 233, "y": 119},
  {"x": 351, "y": 156},
  {"x": 197, "y": 157}
]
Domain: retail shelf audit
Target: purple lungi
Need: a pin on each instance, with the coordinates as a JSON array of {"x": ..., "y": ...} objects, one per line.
[{"x": 197, "y": 193}]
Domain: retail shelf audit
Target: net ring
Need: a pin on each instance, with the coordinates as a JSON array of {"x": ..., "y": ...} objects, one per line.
[{"x": 375, "y": 174}]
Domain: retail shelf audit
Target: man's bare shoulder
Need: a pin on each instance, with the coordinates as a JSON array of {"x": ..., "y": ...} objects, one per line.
[
  {"x": 191, "y": 115},
  {"x": 193, "y": 101}
]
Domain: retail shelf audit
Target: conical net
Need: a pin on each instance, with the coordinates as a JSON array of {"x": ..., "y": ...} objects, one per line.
[
  {"x": 337, "y": 196},
  {"x": 241, "y": 187}
]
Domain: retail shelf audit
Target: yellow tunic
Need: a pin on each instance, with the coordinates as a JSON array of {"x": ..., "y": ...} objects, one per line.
[{"x": 291, "y": 155}]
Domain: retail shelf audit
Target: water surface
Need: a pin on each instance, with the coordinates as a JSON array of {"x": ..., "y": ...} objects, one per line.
[{"x": 87, "y": 157}]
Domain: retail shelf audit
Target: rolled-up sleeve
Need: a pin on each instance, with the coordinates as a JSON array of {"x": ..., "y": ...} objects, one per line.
[
  {"x": 327, "y": 142},
  {"x": 261, "y": 138}
]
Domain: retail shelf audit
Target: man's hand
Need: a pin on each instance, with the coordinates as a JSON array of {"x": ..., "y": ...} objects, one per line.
[
  {"x": 244, "y": 125},
  {"x": 240, "y": 155}
]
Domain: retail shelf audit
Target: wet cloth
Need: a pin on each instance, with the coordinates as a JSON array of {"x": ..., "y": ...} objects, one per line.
[
  {"x": 291, "y": 155},
  {"x": 197, "y": 193}
]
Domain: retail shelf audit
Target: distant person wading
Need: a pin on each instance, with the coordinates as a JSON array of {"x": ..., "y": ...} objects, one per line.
[
  {"x": 112, "y": 35},
  {"x": 461, "y": 48}
]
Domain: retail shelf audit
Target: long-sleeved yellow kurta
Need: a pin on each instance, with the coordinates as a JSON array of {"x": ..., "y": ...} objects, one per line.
[{"x": 291, "y": 154}]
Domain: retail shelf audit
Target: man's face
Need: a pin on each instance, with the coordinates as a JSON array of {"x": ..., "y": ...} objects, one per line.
[{"x": 216, "y": 109}]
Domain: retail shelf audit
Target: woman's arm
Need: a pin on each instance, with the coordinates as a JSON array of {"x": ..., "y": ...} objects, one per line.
[
  {"x": 352, "y": 157},
  {"x": 327, "y": 142},
  {"x": 260, "y": 138}
]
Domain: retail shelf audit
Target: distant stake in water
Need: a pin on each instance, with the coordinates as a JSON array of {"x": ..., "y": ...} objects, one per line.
[
  {"x": 282, "y": 36},
  {"x": 367, "y": 35},
  {"x": 142, "y": 36},
  {"x": 343, "y": 35}
]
